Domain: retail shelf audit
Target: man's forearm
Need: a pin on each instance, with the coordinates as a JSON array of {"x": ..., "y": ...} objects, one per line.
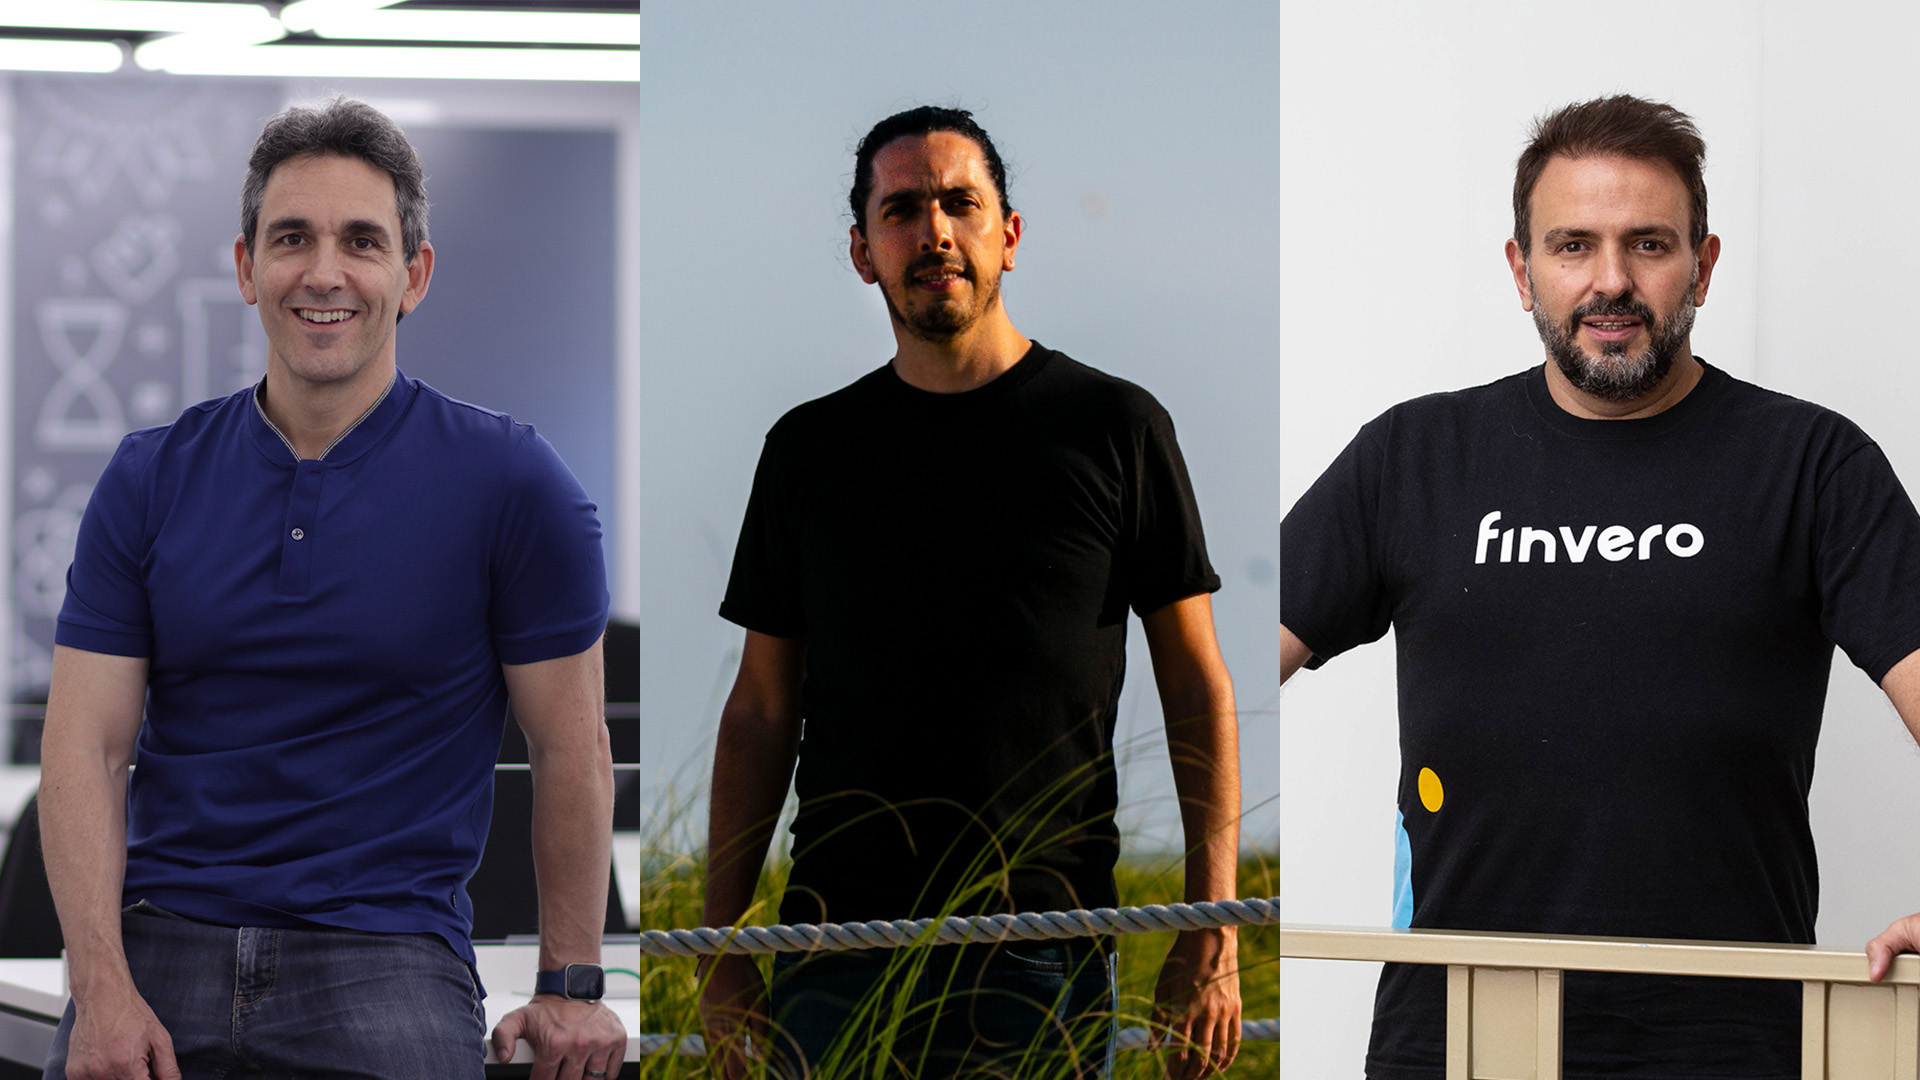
[
  {"x": 93, "y": 716},
  {"x": 83, "y": 832},
  {"x": 1205, "y": 748},
  {"x": 1203, "y": 740},
  {"x": 752, "y": 765},
  {"x": 572, "y": 842}
]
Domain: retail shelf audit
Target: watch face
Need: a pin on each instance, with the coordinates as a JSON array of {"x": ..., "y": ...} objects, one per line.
[{"x": 586, "y": 982}]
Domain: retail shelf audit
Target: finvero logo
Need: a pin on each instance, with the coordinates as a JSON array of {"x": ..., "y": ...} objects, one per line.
[{"x": 1613, "y": 543}]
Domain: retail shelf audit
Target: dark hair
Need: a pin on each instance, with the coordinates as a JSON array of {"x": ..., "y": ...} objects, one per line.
[
  {"x": 1620, "y": 126},
  {"x": 344, "y": 127},
  {"x": 924, "y": 120}
]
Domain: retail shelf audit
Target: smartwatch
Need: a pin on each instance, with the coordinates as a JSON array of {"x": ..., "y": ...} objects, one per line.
[{"x": 581, "y": 982}]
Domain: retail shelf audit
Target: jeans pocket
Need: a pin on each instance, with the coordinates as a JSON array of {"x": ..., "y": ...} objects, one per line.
[{"x": 148, "y": 907}]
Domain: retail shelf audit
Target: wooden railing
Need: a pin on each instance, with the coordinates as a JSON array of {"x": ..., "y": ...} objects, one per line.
[{"x": 1503, "y": 993}]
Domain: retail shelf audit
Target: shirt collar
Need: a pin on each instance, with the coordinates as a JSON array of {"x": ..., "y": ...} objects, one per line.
[{"x": 358, "y": 436}]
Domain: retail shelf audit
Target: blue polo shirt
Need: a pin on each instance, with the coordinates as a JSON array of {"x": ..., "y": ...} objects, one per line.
[{"x": 325, "y": 700}]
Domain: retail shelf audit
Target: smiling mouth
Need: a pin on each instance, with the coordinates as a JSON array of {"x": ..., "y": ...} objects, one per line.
[{"x": 313, "y": 316}]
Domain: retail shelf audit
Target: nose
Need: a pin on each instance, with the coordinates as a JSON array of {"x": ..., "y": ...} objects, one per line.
[
  {"x": 325, "y": 270},
  {"x": 939, "y": 230},
  {"x": 1610, "y": 272}
]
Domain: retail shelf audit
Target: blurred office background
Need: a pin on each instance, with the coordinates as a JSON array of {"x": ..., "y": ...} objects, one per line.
[
  {"x": 1400, "y": 125},
  {"x": 119, "y": 191}
]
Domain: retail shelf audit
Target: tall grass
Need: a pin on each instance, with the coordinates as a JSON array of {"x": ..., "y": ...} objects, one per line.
[{"x": 671, "y": 887}]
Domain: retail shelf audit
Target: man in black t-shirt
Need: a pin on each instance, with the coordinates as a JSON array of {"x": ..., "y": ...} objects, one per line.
[
  {"x": 1616, "y": 581},
  {"x": 934, "y": 573}
]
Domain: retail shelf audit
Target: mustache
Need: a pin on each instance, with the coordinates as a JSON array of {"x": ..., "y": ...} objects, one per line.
[
  {"x": 934, "y": 260},
  {"x": 1612, "y": 308}
]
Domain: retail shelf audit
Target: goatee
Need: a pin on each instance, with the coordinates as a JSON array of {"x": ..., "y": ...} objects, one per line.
[
  {"x": 1615, "y": 375},
  {"x": 940, "y": 321}
]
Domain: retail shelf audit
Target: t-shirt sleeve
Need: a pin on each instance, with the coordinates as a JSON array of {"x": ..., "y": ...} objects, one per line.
[
  {"x": 549, "y": 570},
  {"x": 763, "y": 591},
  {"x": 1333, "y": 595},
  {"x": 1169, "y": 558},
  {"x": 1867, "y": 562},
  {"x": 106, "y": 609}
]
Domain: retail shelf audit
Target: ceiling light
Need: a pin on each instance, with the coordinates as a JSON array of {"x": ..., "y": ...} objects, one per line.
[
  {"x": 365, "y": 20},
  {"x": 18, "y": 54},
  {"x": 166, "y": 16},
  {"x": 184, "y": 55}
]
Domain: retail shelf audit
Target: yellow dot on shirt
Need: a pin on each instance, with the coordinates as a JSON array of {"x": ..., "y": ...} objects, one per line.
[{"x": 1431, "y": 794}]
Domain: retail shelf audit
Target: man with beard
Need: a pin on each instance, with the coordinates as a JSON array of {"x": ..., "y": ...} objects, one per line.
[
  {"x": 934, "y": 573},
  {"x": 1622, "y": 573}
]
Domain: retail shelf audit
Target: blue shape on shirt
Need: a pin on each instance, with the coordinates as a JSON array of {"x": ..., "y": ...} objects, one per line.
[{"x": 1402, "y": 873}]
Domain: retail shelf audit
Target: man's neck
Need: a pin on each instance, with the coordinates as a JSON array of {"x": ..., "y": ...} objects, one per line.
[
  {"x": 970, "y": 359},
  {"x": 1678, "y": 383},
  {"x": 312, "y": 415}
]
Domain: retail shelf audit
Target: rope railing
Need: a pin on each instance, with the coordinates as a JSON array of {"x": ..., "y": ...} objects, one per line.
[
  {"x": 959, "y": 930},
  {"x": 1133, "y": 1038}
]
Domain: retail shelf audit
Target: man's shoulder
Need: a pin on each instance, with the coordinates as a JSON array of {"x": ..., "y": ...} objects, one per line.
[
  {"x": 1092, "y": 389},
  {"x": 1749, "y": 396},
  {"x": 1783, "y": 420},
  {"x": 1466, "y": 408},
  {"x": 193, "y": 431},
  {"x": 449, "y": 414},
  {"x": 849, "y": 404}
]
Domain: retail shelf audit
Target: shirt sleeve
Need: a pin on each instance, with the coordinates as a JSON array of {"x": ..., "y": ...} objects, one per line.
[
  {"x": 106, "y": 608},
  {"x": 1333, "y": 596},
  {"x": 1169, "y": 556},
  {"x": 1867, "y": 562},
  {"x": 764, "y": 588},
  {"x": 549, "y": 594}
]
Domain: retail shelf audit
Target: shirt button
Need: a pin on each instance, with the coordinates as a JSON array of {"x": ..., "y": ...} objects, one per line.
[{"x": 299, "y": 534}]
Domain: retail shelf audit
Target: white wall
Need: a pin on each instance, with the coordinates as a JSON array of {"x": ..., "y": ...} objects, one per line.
[{"x": 1399, "y": 125}]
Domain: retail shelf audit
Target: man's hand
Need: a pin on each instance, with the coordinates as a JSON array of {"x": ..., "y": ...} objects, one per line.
[
  {"x": 119, "y": 1039},
  {"x": 1196, "y": 1004},
  {"x": 733, "y": 1006},
  {"x": 572, "y": 1040},
  {"x": 1902, "y": 936}
]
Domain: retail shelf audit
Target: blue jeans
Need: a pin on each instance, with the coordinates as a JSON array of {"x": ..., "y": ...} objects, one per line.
[
  {"x": 253, "y": 1001},
  {"x": 1019, "y": 1009}
]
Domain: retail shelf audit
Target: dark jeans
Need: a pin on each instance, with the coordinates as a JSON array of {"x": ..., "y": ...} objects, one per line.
[
  {"x": 253, "y": 1001},
  {"x": 1019, "y": 1009}
]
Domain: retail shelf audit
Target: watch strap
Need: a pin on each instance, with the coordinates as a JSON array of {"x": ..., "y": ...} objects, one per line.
[{"x": 579, "y": 982}]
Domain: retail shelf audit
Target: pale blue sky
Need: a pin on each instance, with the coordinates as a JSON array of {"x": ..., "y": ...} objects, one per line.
[{"x": 1143, "y": 145}]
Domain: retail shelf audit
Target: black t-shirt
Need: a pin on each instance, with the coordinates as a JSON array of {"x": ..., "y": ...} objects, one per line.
[
  {"x": 1613, "y": 644},
  {"x": 961, "y": 566}
]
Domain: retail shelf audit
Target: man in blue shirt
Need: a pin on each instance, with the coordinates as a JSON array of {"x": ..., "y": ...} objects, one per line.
[{"x": 319, "y": 593}]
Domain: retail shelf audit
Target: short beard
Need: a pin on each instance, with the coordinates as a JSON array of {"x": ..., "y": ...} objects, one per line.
[
  {"x": 1614, "y": 376},
  {"x": 940, "y": 322}
]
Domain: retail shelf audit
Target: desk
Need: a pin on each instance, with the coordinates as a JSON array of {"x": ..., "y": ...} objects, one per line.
[
  {"x": 507, "y": 973},
  {"x": 33, "y": 995}
]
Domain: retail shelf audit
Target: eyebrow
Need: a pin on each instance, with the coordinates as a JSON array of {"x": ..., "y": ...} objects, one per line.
[
  {"x": 913, "y": 196},
  {"x": 1553, "y": 236},
  {"x": 355, "y": 227}
]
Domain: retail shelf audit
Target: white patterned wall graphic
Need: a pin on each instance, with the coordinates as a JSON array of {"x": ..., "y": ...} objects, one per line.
[{"x": 126, "y": 197}]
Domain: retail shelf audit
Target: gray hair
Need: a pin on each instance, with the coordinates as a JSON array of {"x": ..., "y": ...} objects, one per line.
[{"x": 345, "y": 127}]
